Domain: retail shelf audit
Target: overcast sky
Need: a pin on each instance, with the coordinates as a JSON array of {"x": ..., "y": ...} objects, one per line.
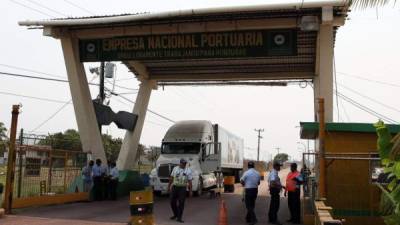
[{"x": 367, "y": 59}]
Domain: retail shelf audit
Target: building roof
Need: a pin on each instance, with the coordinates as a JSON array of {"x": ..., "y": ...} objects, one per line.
[
  {"x": 309, "y": 130},
  {"x": 188, "y": 14}
]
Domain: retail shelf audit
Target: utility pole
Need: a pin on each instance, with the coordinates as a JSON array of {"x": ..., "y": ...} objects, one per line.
[{"x": 258, "y": 146}]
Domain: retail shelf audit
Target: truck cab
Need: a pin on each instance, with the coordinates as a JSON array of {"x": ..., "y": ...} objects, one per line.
[{"x": 192, "y": 140}]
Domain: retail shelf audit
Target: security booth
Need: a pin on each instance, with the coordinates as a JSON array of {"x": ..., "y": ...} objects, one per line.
[{"x": 351, "y": 159}]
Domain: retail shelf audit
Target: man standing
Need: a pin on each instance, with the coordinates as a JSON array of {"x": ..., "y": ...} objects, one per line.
[
  {"x": 180, "y": 179},
  {"x": 87, "y": 176},
  {"x": 250, "y": 180},
  {"x": 98, "y": 175},
  {"x": 275, "y": 188},
  {"x": 113, "y": 181},
  {"x": 293, "y": 183}
]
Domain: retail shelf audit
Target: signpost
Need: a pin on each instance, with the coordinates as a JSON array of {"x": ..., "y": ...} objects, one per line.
[{"x": 252, "y": 43}]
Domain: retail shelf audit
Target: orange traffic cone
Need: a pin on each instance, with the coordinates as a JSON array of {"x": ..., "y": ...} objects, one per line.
[{"x": 222, "y": 219}]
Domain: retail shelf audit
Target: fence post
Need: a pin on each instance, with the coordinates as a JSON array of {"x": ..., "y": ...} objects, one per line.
[
  {"x": 8, "y": 195},
  {"x": 21, "y": 142},
  {"x": 65, "y": 171}
]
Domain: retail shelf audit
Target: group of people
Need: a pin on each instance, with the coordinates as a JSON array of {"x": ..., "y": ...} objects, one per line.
[
  {"x": 251, "y": 179},
  {"x": 101, "y": 180}
]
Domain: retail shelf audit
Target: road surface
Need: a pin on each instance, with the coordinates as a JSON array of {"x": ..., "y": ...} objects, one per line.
[{"x": 198, "y": 211}]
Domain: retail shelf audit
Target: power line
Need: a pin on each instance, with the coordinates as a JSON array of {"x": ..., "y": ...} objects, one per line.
[
  {"x": 79, "y": 7},
  {"x": 39, "y": 78},
  {"x": 29, "y": 70},
  {"x": 149, "y": 110},
  {"x": 45, "y": 7},
  {"x": 369, "y": 98},
  {"x": 66, "y": 81},
  {"x": 52, "y": 116},
  {"x": 32, "y": 97},
  {"x": 33, "y": 9},
  {"x": 370, "y": 80},
  {"x": 366, "y": 109}
]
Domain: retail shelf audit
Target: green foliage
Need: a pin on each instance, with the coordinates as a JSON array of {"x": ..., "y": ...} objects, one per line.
[
  {"x": 370, "y": 3},
  {"x": 390, "y": 199},
  {"x": 3, "y": 138},
  {"x": 281, "y": 157},
  {"x": 69, "y": 140},
  {"x": 111, "y": 147}
]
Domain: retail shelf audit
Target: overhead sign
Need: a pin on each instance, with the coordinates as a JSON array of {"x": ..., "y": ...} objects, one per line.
[{"x": 252, "y": 43}]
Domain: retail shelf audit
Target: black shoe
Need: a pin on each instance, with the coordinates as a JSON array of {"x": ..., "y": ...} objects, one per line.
[
  {"x": 172, "y": 218},
  {"x": 180, "y": 220}
]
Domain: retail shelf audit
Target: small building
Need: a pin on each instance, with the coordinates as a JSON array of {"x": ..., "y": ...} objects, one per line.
[{"x": 351, "y": 157}]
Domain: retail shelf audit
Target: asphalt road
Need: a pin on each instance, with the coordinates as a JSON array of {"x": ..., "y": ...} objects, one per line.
[{"x": 198, "y": 211}]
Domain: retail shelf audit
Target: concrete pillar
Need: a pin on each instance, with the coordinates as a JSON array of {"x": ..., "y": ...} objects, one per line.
[
  {"x": 323, "y": 82},
  {"x": 127, "y": 155},
  {"x": 82, "y": 100}
]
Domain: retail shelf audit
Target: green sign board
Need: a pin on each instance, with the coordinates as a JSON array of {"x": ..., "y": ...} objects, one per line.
[{"x": 235, "y": 44}]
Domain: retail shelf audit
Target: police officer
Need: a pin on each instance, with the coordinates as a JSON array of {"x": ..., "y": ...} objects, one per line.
[
  {"x": 293, "y": 182},
  {"x": 275, "y": 188},
  {"x": 98, "y": 175},
  {"x": 180, "y": 179},
  {"x": 250, "y": 180}
]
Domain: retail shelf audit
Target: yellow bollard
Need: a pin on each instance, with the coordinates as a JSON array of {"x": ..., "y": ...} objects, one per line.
[{"x": 141, "y": 207}]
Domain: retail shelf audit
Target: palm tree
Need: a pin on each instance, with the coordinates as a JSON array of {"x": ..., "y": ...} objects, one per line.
[{"x": 370, "y": 3}]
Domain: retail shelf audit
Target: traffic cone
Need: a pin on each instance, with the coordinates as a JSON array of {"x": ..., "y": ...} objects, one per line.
[{"x": 222, "y": 219}]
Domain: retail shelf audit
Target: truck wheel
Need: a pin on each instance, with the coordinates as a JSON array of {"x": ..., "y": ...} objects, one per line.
[{"x": 199, "y": 191}]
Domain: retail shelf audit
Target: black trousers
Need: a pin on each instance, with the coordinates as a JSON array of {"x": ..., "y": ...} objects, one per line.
[
  {"x": 178, "y": 196},
  {"x": 250, "y": 201},
  {"x": 294, "y": 205},
  {"x": 274, "y": 204},
  {"x": 98, "y": 188},
  {"x": 112, "y": 189}
]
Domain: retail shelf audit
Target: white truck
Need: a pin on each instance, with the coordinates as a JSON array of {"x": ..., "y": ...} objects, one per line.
[{"x": 208, "y": 149}]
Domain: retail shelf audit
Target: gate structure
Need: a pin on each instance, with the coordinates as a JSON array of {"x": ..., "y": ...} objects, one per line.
[
  {"x": 292, "y": 41},
  {"x": 44, "y": 175}
]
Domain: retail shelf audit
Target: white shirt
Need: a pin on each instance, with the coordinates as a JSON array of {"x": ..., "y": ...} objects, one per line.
[
  {"x": 181, "y": 176},
  {"x": 251, "y": 178},
  {"x": 97, "y": 171},
  {"x": 114, "y": 173}
]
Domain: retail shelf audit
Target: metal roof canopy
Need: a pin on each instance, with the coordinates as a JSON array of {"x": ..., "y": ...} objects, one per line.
[
  {"x": 309, "y": 130},
  {"x": 300, "y": 65}
]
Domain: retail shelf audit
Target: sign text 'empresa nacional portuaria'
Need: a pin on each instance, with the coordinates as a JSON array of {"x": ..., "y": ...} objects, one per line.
[{"x": 258, "y": 43}]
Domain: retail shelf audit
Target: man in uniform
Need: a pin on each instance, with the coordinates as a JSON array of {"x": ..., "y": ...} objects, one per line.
[
  {"x": 87, "y": 176},
  {"x": 180, "y": 179},
  {"x": 98, "y": 175},
  {"x": 293, "y": 183},
  {"x": 275, "y": 188},
  {"x": 250, "y": 180}
]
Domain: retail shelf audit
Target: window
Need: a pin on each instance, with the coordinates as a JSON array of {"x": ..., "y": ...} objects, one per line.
[{"x": 180, "y": 148}]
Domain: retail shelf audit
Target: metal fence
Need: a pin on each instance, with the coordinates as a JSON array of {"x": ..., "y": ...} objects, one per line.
[{"x": 41, "y": 170}]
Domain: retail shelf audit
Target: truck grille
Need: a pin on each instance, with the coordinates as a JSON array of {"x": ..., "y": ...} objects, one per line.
[{"x": 164, "y": 170}]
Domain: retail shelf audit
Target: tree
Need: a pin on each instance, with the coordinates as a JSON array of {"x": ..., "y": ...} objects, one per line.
[
  {"x": 111, "y": 147},
  {"x": 281, "y": 157},
  {"x": 3, "y": 138},
  {"x": 389, "y": 152},
  {"x": 69, "y": 140}
]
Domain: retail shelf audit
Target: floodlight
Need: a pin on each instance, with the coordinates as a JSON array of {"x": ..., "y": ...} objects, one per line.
[{"x": 309, "y": 23}]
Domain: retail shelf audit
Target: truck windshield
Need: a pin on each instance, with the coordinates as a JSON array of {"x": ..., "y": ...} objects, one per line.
[{"x": 180, "y": 148}]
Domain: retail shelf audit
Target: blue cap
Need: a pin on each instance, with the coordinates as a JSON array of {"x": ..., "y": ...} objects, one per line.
[{"x": 183, "y": 160}]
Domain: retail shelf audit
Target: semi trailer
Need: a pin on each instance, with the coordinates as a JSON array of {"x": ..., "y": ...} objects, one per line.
[{"x": 209, "y": 150}]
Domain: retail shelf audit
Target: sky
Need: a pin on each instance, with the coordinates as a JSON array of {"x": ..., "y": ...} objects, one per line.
[{"x": 366, "y": 60}]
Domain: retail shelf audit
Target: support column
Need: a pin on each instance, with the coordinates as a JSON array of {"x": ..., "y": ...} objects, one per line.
[
  {"x": 127, "y": 155},
  {"x": 82, "y": 100},
  {"x": 323, "y": 82}
]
